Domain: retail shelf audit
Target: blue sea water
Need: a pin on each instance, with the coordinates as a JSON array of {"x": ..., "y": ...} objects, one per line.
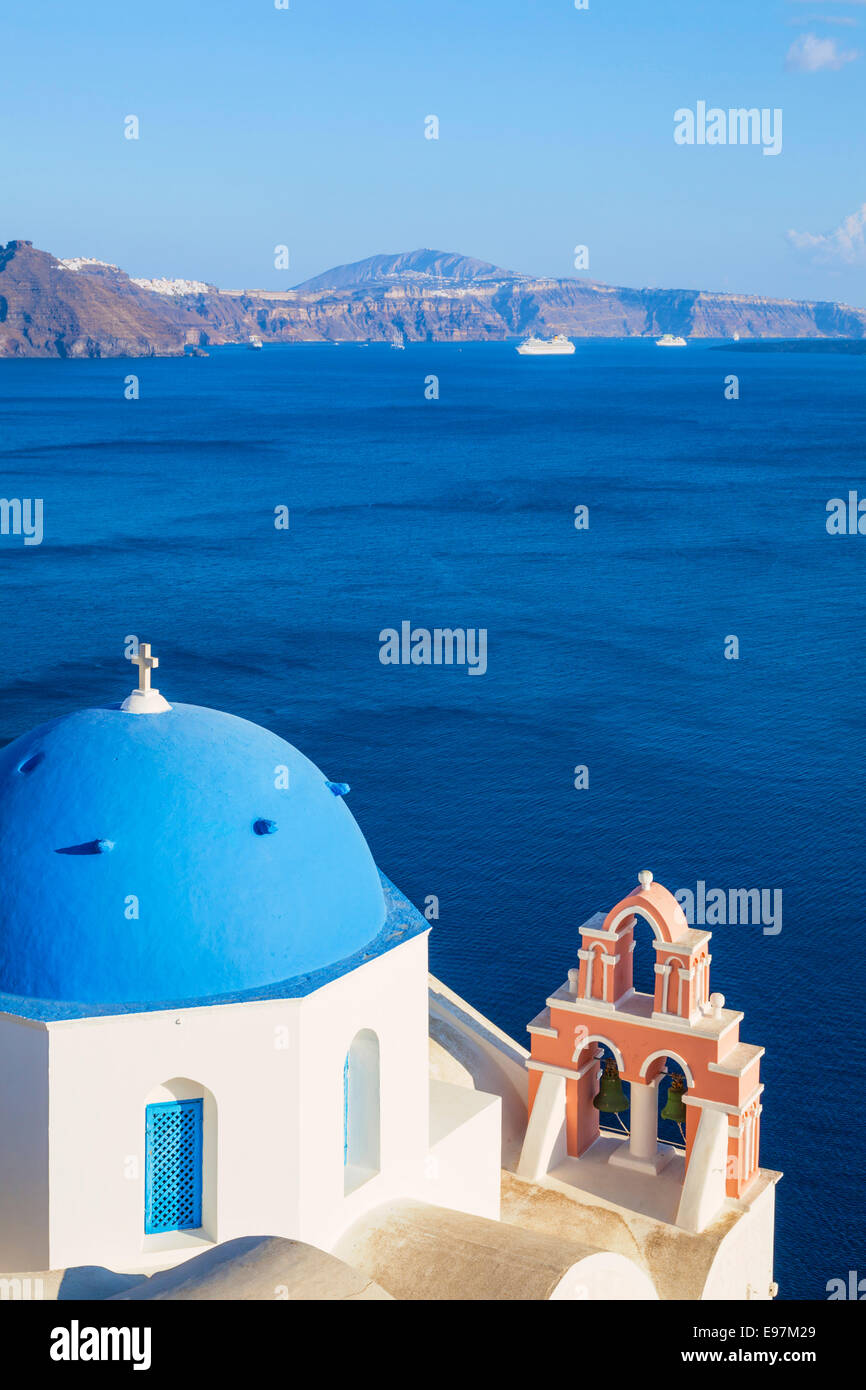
[{"x": 605, "y": 648}]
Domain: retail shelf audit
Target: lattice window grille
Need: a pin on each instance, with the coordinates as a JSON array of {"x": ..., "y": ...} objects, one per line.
[{"x": 173, "y": 1168}]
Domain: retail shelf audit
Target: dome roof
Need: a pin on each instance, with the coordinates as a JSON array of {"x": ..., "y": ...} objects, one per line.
[{"x": 148, "y": 857}]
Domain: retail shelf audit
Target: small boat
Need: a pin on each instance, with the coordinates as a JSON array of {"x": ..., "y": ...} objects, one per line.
[
  {"x": 557, "y": 346},
  {"x": 255, "y": 342},
  {"x": 668, "y": 340}
]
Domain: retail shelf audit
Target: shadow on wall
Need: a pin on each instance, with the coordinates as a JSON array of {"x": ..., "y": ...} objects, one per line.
[{"x": 94, "y": 1282}]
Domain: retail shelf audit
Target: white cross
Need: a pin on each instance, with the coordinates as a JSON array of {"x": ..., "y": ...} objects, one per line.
[{"x": 145, "y": 663}]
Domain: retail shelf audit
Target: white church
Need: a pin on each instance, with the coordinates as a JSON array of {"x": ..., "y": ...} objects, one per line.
[{"x": 224, "y": 1064}]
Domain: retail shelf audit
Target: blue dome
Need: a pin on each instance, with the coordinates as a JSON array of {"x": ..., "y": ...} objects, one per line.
[{"x": 237, "y": 881}]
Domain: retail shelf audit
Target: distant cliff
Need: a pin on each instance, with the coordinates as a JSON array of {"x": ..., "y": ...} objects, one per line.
[
  {"x": 84, "y": 308},
  {"x": 49, "y": 311}
]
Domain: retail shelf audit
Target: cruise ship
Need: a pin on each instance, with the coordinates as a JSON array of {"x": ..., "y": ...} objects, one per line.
[
  {"x": 668, "y": 340},
  {"x": 255, "y": 342},
  {"x": 546, "y": 347}
]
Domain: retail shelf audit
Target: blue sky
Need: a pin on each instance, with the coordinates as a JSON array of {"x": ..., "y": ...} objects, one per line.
[{"x": 305, "y": 127}]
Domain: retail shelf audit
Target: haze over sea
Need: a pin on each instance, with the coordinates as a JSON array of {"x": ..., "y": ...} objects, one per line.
[{"x": 605, "y": 648}]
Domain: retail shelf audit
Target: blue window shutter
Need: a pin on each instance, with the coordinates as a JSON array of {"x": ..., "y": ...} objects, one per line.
[{"x": 173, "y": 1166}]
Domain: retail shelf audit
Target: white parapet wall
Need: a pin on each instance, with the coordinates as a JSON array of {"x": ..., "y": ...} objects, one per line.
[{"x": 272, "y": 1077}]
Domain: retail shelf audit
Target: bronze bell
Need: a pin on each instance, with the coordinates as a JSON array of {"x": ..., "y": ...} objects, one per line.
[
  {"x": 611, "y": 1098},
  {"x": 674, "y": 1108}
]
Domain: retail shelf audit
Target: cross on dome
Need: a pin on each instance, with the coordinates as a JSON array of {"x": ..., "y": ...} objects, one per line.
[
  {"x": 145, "y": 663},
  {"x": 146, "y": 699}
]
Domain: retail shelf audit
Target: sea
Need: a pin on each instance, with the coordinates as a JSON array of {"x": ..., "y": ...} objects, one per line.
[{"x": 674, "y": 675}]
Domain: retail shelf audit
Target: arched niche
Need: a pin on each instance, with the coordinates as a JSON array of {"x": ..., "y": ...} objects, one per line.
[
  {"x": 361, "y": 1110},
  {"x": 184, "y": 1088}
]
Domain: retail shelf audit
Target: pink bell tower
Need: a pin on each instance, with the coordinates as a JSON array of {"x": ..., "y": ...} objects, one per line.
[{"x": 681, "y": 1021}]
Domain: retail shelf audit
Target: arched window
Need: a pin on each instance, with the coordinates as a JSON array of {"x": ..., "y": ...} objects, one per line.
[
  {"x": 644, "y": 957},
  {"x": 180, "y": 1159},
  {"x": 361, "y": 1126},
  {"x": 173, "y": 1166}
]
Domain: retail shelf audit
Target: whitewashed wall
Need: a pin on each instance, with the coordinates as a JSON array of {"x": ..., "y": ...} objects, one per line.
[{"x": 271, "y": 1073}]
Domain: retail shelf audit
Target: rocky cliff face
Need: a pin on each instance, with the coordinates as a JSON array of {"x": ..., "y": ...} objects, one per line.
[
  {"x": 49, "y": 311},
  {"x": 95, "y": 310}
]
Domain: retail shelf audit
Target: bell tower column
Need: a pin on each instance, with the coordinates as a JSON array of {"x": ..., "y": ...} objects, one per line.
[{"x": 642, "y": 1152}]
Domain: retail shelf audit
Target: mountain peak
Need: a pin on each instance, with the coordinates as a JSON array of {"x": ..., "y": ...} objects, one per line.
[{"x": 424, "y": 266}]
